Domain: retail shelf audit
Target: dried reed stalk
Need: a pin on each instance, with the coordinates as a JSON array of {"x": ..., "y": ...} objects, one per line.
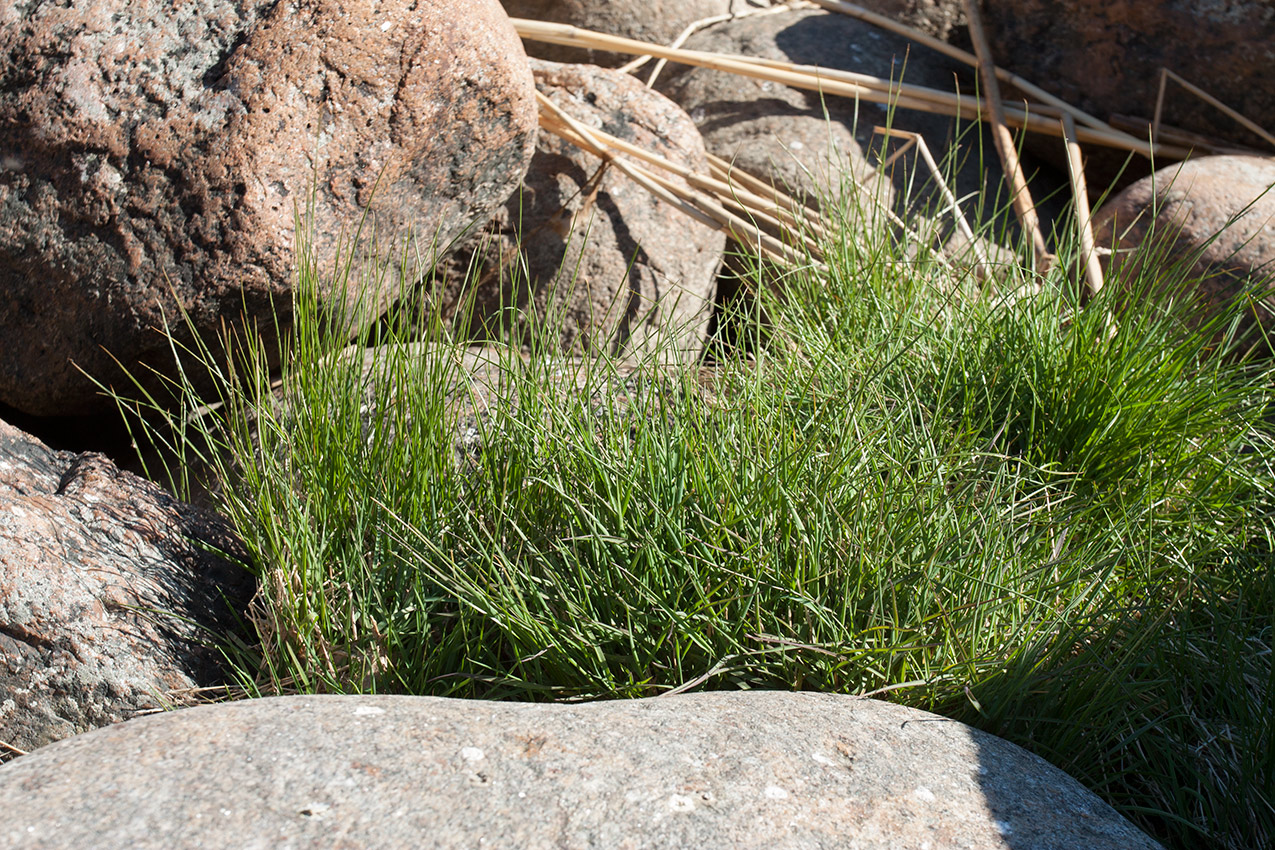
[
  {"x": 694, "y": 203},
  {"x": 1182, "y": 138},
  {"x": 811, "y": 219},
  {"x": 1166, "y": 74},
  {"x": 839, "y": 83},
  {"x": 696, "y": 26},
  {"x": 956, "y": 53},
  {"x": 782, "y": 213},
  {"x": 1021, "y": 198},
  {"x": 918, "y": 141},
  {"x": 1080, "y": 196}
]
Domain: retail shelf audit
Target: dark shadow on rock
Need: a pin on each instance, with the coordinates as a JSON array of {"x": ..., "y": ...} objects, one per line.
[{"x": 842, "y": 43}]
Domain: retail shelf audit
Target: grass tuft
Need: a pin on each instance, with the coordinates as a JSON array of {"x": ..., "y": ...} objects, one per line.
[{"x": 1014, "y": 511}]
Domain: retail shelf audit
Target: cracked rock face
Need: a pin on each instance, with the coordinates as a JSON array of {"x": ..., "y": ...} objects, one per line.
[
  {"x": 153, "y": 156},
  {"x": 108, "y": 590}
]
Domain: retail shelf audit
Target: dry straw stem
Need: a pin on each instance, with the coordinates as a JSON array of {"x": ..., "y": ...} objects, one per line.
[
  {"x": 694, "y": 203},
  {"x": 738, "y": 179},
  {"x": 1168, "y": 134},
  {"x": 10, "y": 748},
  {"x": 1166, "y": 75},
  {"x": 839, "y": 83},
  {"x": 730, "y": 174},
  {"x": 745, "y": 184},
  {"x": 782, "y": 212},
  {"x": 956, "y": 53},
  {"x": 1080, "y": 194},
  {"x": 696, "y": 26},
  {"x": 1024, "y": 207},
  {"x": 918, "y": 141}
]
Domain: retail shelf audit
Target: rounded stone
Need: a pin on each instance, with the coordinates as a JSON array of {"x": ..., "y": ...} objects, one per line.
[
  {"x": 157, "y": 157},
  {"x": 730, "y": 769},
  {"x": 1216, "y": 216}
]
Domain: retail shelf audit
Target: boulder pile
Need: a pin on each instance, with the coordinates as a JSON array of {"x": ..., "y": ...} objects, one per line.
[{"x": 155, "y": 162}]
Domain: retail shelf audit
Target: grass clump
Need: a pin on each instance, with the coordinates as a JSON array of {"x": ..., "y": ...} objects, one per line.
[{"x": 995, "y": 509}]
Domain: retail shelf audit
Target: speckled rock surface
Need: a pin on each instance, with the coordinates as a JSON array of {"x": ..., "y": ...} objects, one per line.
[
  {"x": 746, "y": 770},
  {"x": 777, "y": 132},
  {"x": 1106, "y": 57},
  {"x": 108, "y": 592},
  {"x": 1185, "y": 206},
  {"x": 659, "y": 21},
  {"x": 613, "y": 267},
  {"x": 154, "y": 156}
]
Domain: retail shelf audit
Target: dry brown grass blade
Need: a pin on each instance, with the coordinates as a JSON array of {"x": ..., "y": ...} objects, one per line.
[
  {"x": 1080, "y": 196},
  {"x": 1021, "y": 198},
  {"x": 1025, "y": 86},
  {"x": 1166, "y": 74},
  {"x": 690, "y": 201},
  {"x": 1171, "y": 135},
  {"x": 6, "y": 747},
  {"x": 730, "y": 173},
  {"x": 835, "y": 83},
  {"x": 783, "y": 212}
]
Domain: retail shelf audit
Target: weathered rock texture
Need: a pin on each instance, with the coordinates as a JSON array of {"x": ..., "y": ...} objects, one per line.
[
  {"x": 1106, "y": 57},
  {"x": 781, "y": 133},
  {"x": 109, "y": 591},
  {"x": 154, "y": 156},
  {"x": 659, "y": 21},
  {"x": 1181, "y": 208},
  {"x": 943, "y": 19},
  {"x": 611, "y": 266},
  {"x": 743, "y": 770}
]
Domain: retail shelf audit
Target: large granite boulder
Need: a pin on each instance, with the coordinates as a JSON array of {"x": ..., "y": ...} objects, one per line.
[
  {"x": 658, "y": 21},
  {"x": 612, "y": 267},
  {"x": 111, "y": 592},
  {"x": 1106, "y": 57},
  {"x": 746, "y": 770},
  {"x": 1215, "y": 213},
  {"x": 155, "y": 155}
]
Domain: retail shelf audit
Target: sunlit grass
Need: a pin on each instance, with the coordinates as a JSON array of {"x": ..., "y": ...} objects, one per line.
[{"x": 995, "y": 508}]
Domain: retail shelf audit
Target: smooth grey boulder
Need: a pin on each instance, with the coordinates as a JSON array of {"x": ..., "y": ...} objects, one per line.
[
  {"x": 110, "y": 591},
  {"x": 755, "y": 769}
]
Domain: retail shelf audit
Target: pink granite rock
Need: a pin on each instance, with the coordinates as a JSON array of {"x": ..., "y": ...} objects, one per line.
[
  {"x": 1216, "y": 213},
  {"x": 153, "y": 157},
  {"x": 109, "y": 592}
]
